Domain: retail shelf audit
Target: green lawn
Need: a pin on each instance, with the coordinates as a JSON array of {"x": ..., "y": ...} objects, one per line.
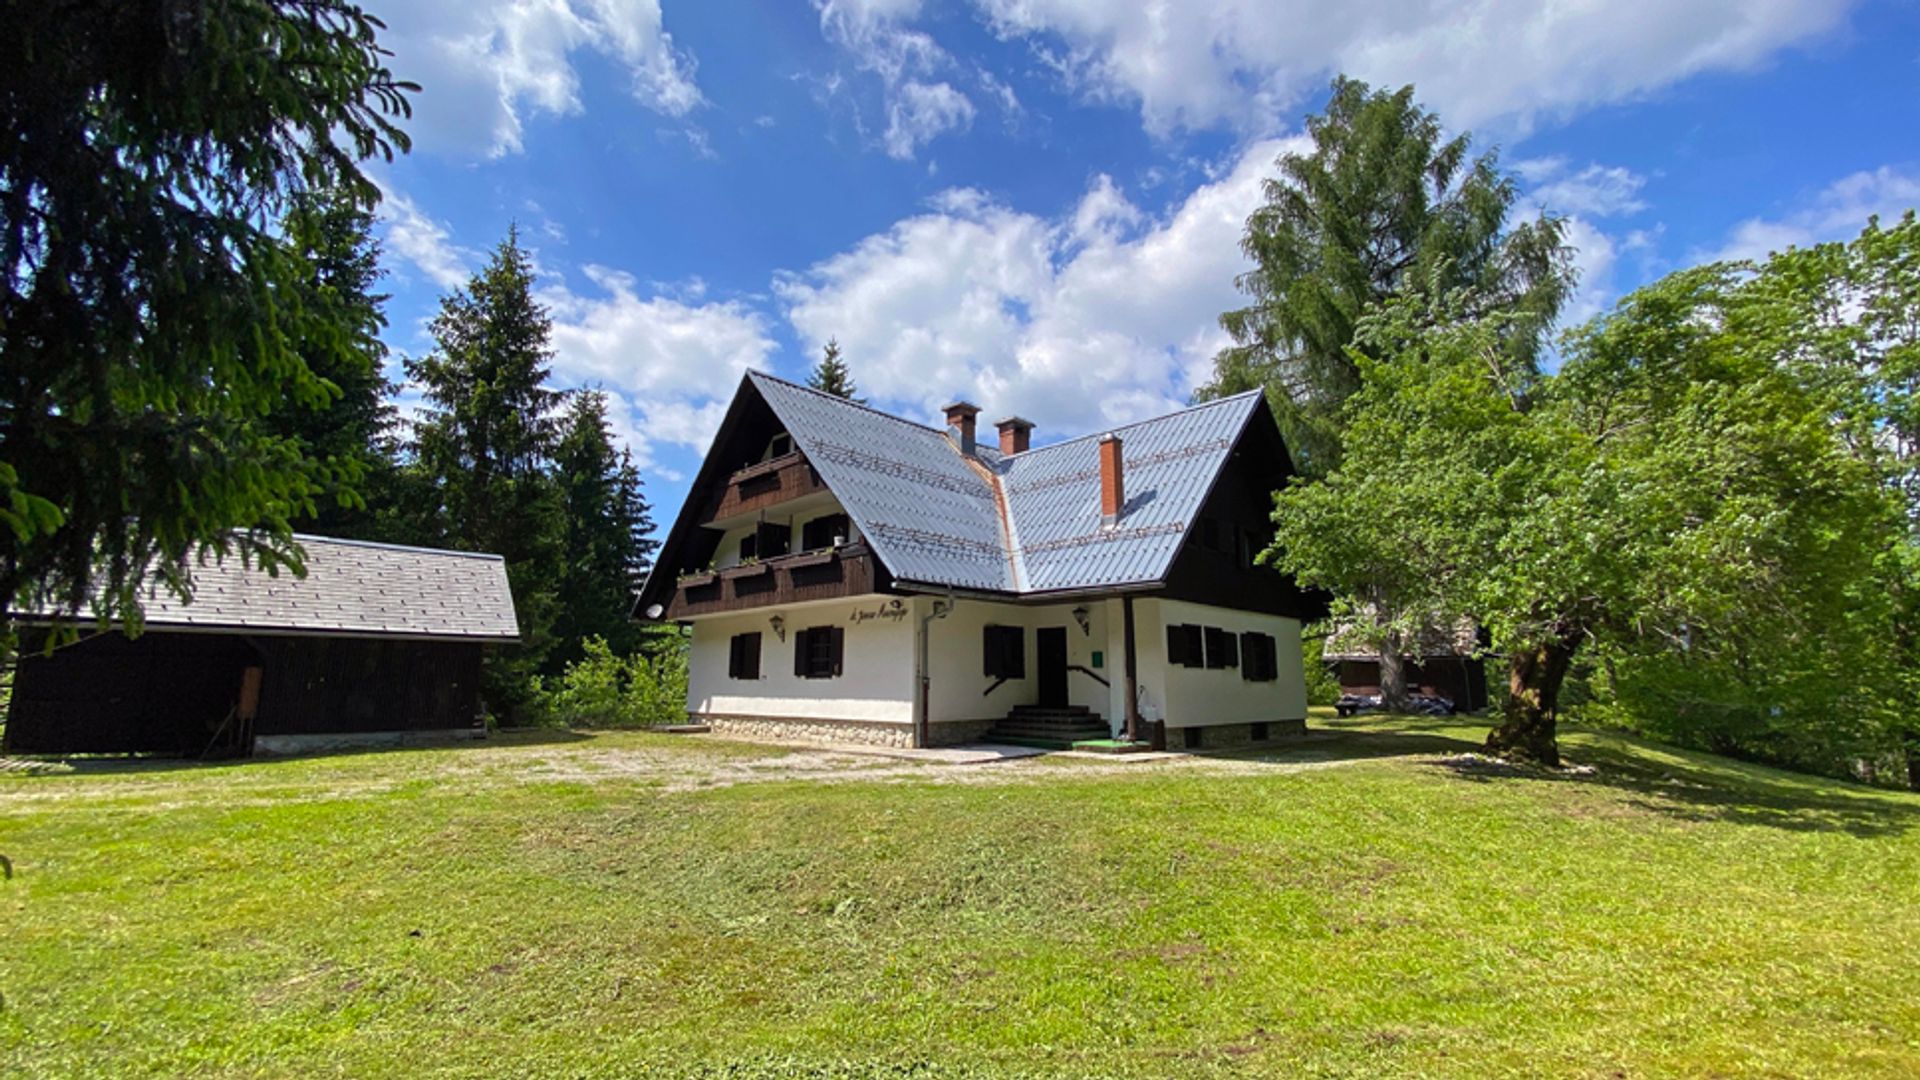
[{"x": 664, "y": 906}]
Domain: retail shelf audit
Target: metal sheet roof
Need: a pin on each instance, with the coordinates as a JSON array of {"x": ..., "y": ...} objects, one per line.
[
  {"x": 1025, "y": 523},
  {"x": 351, "y": 588}
]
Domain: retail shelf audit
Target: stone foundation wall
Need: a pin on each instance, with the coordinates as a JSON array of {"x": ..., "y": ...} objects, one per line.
[
  {"x": 803, "y": 729},
  {"x": 1234, "y": 736},
  {"x": 955, "y": 732}
]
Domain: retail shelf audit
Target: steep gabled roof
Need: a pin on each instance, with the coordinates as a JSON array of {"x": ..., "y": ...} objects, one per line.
[
  {"x": 1020, "y": 524},
  {"x": 351, "y": 588},
  {"x": 929, "y": 513}
]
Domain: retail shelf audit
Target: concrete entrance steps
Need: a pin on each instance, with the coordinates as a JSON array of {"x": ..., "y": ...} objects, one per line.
[{"x": 1049, "y": 728}]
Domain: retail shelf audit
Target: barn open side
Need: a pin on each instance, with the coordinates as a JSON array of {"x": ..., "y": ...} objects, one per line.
[{"x": 377, "y": 644}]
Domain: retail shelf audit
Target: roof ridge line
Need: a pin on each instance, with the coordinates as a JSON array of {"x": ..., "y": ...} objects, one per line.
[
  {"x": 1135, "y": 423},
  {"x": 846, "y": 401},
  {"x": 385, "y": 546}
]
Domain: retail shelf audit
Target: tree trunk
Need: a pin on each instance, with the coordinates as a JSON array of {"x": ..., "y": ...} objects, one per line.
[
  {"x": 1393, "y": 673},
  {"x": 1913, "y": 760},
  {"x": 1532, "y": 709}
]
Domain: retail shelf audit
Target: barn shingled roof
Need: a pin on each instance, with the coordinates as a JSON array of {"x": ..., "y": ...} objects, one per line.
[
  {"x": 352, "y": 588},
  {"x": 934, "y": 517}
]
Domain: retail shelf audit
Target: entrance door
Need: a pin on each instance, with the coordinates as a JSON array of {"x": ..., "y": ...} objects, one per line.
[{"x": 1051, "y": 644}]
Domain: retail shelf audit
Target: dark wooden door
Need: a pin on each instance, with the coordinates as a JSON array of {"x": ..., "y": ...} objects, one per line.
[{"x": 1051, "y": 644}]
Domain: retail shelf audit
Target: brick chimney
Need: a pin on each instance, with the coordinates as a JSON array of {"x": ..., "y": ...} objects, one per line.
[
  {"x": 1113, "y": 486},
  {"x": 1016, "y": 435},
  {"x": 961, "y": 415}
]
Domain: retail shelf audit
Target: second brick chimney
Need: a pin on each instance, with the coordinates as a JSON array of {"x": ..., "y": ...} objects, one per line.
[
  {"x": 1113, "y": 485},
  {"x": 1016, "y": 435},
  {"x": 961, "y": 415}
]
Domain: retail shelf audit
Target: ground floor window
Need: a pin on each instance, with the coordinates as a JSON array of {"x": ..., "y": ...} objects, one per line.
[
  {"x": 744, "y": 662},
  {"x": 818, "y": 652},
  {"x": 1223, "y": 649},
  {"x": 1259, "y": 657},
  {"x": 1005, "y": 651}
]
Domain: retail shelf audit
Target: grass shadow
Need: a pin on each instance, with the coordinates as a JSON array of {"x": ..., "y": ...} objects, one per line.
[
  {"x": 123, "y": 764},
  {"x": 1327, "y": 742},
  {"x": 1691, "y": 785}
]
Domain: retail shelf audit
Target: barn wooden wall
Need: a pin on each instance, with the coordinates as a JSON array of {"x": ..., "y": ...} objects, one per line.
[{"x": 168, "y": 693}]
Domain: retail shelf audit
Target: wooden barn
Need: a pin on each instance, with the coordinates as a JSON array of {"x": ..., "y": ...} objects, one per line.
[{"x": 376, "y": 644}]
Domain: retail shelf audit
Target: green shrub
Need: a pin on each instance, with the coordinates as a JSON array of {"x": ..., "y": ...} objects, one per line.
[
  {"x": 602, "y": 690},
  {"x": 1322, "y": 687}
]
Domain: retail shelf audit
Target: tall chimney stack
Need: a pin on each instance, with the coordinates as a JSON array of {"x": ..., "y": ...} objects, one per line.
[
  {"x": 1016, "y": 435},
  {"x": 961, "y": 415},
  {"x": 1113, "y": 486}
]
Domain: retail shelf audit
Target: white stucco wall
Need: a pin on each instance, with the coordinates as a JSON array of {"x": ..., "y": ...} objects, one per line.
[
  {"x": 956, "y": 659},
  {"x": 878, "y": 680},
  {"x": 1197, "y": 697},
  {"x": 876, "y": 683}
]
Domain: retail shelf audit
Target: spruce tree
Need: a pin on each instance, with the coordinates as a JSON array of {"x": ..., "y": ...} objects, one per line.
[
  {"x": 831, "y": 375},
  {"x": 483, "y": 446},
  {"x": 607, "y": 549},
  {"x": 150, "y": 313},
  {"x": 1379, "y": 206},
  {"x": 350, "y": 430}
]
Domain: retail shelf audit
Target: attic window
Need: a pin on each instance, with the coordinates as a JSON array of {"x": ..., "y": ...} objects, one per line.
[{"x": 779, "y": 446}]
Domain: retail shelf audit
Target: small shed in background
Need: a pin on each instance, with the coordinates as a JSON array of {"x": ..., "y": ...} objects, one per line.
[
  {"x": 1445, "y": 662},
  {"x": 377, "y": 644}
]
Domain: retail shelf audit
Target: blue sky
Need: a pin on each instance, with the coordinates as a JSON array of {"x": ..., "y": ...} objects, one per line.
[{"x": 1036, "y": 204}]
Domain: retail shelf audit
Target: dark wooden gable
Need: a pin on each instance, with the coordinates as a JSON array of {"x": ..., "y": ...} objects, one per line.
[{"x": 1215, "y": 564}]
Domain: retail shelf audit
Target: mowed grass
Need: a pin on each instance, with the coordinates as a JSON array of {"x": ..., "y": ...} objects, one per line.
[{"x": 659, "y": 906}]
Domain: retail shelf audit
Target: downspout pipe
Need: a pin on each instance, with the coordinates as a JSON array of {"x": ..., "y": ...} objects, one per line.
[{"x": 922, "y": 728}]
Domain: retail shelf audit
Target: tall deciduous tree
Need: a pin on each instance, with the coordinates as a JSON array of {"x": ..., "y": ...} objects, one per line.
[
  {"x": 1381, "y": 200},
  {"x": 832, "y": 376},
  {"x": 1672, "y": 489},
  {"x": 350, "y": 431},
  {"x": 483, "y": 446},
  {"x": 607, "y": 548},
  {"x": 150, "y": 313}
]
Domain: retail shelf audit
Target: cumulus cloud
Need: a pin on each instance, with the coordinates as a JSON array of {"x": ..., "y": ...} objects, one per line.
[
  {"x": 1104, "y": 315},
  {"x": 917, "y": 78},
  {"x": 1241, "y": 63},
  {"x": 427, "y": 244},
  {"x": 485, "y": 66},
  {"x": 919, "y": 112},
  {"x": 670, "y": 361},
  {"x": 1594, "y": 191},
  {"x": 1837, "y": 212}
]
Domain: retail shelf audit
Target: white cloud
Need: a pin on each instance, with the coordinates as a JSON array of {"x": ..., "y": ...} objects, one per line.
[
  {"x": 416, "y": 237},
  {"x": 1102, "y": 316},
  {"x": 485, "y": 65},
  {"x": 1837, "y": 212},
  {"x": 1595, "y": 191},
  {"x": 1204, "y": 63},
  {"x": 1595, "y": 260},
  {"x": 919, "y": 112},
  {"x": 671, "y": 362}
]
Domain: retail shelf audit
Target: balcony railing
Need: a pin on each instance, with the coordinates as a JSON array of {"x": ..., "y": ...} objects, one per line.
[
  {"x": 764, "y": 484},
  {"x": 828, "y": 574}
]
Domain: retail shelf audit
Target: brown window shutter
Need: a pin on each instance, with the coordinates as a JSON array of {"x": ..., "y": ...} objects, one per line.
[
  {"x": 838, "y": 649},
  {"x": 801, "y": 638}
]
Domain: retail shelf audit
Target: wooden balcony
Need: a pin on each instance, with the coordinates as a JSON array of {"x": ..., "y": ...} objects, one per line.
[
  {"x": 848, "y": 570},
  {"x": 763, "y": 485}
]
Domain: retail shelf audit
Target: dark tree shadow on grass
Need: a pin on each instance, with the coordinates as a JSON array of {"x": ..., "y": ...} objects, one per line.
[
  {"x": 1693, "y": 786},
  {"x": 117, "y": 764}
]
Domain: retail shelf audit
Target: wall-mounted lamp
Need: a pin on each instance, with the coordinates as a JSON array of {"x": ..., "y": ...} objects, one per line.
[
  {"x": 779, "y": 627},
  {"x": 1080, "y": 616}
]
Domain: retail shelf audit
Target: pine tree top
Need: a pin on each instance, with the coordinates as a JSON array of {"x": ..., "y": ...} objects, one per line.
[{"x": 832, "y": 376}]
